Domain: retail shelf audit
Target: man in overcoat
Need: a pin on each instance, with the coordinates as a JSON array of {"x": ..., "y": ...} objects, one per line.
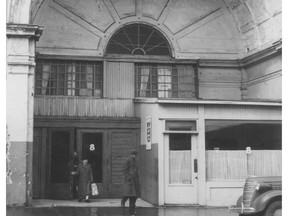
[
  {"x": 74, "y": 179},
  {"x": 85, "y": 179},
  {"x": 131, "y": 183}
]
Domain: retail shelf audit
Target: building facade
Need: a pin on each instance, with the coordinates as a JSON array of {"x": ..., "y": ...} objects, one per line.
[{"x": 194, "y": 86}]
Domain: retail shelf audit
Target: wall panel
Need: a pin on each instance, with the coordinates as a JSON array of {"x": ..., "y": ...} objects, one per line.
[
  {"x": 243, "y": 112},
  {"x": 82, "y": 107},
  {"x": 219, "y": 83},
  {"x": 119, "y": 80}
]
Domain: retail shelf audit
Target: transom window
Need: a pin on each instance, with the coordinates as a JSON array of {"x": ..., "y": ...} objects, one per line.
[
  {"x": 138, "y": 39},
  {"x": 68, "y": 78},
  {"x": 165, "y": 81}
]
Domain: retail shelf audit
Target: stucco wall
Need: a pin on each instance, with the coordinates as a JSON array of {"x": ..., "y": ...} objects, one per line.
[
  {"x": 149, "y": 157},
  {"x": 194, "y": 29},
  {"x": 19, "y": 105},
  {"x": 16, "y": 164}
]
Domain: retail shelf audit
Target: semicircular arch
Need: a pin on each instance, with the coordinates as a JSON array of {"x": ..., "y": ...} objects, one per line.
[{"x": 159, "y": 28}]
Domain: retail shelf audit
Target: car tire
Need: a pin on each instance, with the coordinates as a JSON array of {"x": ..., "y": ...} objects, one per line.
[{"x": 274, "y": 209}]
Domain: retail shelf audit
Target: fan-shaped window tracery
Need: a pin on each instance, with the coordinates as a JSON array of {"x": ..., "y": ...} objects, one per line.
[{"x": 138, "y": 39}]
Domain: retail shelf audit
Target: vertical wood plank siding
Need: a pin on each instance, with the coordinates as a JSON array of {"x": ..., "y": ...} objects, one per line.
[
  {"x": 119, "y": 80},
  {"x": 37, "y": 163},
  {"x": 242, "y": 112},
  {"x": 83, "y": 107},
  {"x": 121, "y": 145}
]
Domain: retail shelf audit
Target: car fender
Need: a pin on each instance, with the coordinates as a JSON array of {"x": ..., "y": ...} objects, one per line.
[
  {"x": 239, "y": 201},
  {"x": 260, "y": 203}
]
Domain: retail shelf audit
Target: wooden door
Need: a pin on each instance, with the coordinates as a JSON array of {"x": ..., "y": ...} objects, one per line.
[
  {"x": 122, "y": 142},
  {"x": 59, "y": 150}
]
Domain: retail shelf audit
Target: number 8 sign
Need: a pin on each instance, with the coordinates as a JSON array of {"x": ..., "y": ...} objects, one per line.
[{"x": 92, "y": 147}]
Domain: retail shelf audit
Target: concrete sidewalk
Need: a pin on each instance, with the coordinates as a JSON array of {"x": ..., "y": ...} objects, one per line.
[
  {"x": 110, "y": 207},
  {"x": 94, "y": 203},
  {"x": 117, "y": 211}
]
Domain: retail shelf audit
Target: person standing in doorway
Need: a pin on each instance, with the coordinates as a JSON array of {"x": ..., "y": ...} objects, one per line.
[
  {"x": 85, "y": 179},
  {"x": 131, "y": 183},
  {"x": 73, "y": 164}
]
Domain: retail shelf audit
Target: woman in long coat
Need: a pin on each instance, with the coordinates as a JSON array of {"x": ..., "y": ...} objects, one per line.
[{"x": 85, "y": 179}]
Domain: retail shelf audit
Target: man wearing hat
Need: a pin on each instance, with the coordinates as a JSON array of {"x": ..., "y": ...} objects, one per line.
[{"x": 131, "y": 183}]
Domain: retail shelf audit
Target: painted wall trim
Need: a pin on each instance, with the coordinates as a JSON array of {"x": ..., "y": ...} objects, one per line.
[{"x": 213, "y": 102}]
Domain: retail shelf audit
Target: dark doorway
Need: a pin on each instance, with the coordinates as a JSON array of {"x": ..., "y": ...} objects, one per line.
[
  {"x": 92, "y": 150},
  {"x": 60, "y": 147},
  {"x": 92, "y": 144}
]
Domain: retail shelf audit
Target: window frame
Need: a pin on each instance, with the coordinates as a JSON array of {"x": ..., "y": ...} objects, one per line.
[
  {"x": 172, "y": 64},
  {"x": 77, "y": 74}
]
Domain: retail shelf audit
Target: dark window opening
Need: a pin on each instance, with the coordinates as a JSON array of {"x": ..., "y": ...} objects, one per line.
[
  {"x": 138, "y": 39},
  {"x": 238, "y": 136},
  {"x": 179, "y": 142}
]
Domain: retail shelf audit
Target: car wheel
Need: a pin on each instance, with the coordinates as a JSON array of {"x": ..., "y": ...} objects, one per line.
[{"x": 274, "y": 209}]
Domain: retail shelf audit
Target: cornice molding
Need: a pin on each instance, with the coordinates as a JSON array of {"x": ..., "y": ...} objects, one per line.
[
  {"x": 24, "y": 31},
  {"x": 245, "y": 62},
  {"x": 275, "y": 48}
]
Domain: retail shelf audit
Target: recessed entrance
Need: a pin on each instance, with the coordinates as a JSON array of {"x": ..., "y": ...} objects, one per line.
[
  {"x": 106, "y": 149},
  {"x": 92, "y": 145}
]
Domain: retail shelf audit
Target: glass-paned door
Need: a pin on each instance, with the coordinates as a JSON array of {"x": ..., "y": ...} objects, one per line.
[{"x": 180, "y": 169}]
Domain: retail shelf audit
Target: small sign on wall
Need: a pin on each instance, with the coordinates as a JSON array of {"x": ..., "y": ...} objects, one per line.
[{"x": 148, "y": 132}]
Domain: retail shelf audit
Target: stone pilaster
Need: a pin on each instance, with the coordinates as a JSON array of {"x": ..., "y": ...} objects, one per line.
[{"x": 21, "y": 40}]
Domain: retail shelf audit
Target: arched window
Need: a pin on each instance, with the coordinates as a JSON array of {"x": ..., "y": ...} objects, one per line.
[{"x": 138, "y": 39}]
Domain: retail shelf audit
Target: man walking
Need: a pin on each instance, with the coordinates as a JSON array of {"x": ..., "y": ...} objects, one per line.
[{"x": 131, "y": 183}]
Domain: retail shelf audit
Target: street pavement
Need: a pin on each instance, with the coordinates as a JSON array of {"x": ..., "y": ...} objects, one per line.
[{"x": 116, "y": 211}]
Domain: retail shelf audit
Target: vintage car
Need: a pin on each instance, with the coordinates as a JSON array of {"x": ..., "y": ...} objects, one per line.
[{"x": 261, "y": 196}]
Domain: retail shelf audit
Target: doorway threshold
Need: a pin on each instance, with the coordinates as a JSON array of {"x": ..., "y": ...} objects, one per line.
[{"x": 40, "y": 203}]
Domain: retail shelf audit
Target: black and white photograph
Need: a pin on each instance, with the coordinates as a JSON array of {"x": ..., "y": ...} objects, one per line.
[{"x": 143, "y": 108}]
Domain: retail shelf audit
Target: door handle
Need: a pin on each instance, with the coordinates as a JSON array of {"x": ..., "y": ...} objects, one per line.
[{"x": 195, "y": 166}]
